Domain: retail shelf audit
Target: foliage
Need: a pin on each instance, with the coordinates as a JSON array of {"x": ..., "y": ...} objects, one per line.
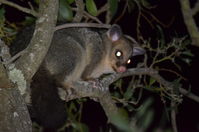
[
  {"x": 130, "y": 97},
  {"x": 65, "y": 11},
  {"x": 7, "y": 30},
  {"x": 91, "y": 7}
]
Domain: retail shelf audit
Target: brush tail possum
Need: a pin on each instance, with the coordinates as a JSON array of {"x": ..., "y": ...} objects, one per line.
[{"x": 77, "y": 54}]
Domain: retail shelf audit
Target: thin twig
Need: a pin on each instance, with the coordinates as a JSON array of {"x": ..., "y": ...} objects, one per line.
[
  {"x": 189, "y": 95},
  {"x": 14, "y": 57},
  {"x": 138, "y": 20},
  {"x": 23, "y": 9},
  {"x": 89, "y": 16},
  {"x": 148, "y": 20},
  {"x": 158, "y": 21},
  {"x": 173, "y": 117},
  {"x": 70, "y": 25},
  {"x": 123, "y": 12},
  {"x": 153, "y": 73},
  {"x": 108, "y": 15},
  {"x": 31, "y": 6},
  {"x": 174, "y": 72},
  {"x": 92, "y": 17},
  {"x": 104, "y": 8}
]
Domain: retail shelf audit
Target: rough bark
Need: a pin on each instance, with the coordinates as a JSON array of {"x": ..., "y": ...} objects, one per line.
[
  {"x": 14, "y": 116},
  {"x": 14, "y": 80}
]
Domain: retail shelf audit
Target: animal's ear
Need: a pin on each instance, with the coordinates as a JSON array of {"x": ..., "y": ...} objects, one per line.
[
  {"x": 114, "y": 33},
  {"x": 137, "y": 50}
]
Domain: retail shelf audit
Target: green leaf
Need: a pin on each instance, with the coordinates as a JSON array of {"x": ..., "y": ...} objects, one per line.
[
  {"x": 152, "y": 81},
  {"x": 187, "y": 60},
  {"x": 116, "y": 94},
  {"x": 176, "y": 85},
  {"x": 70, "y": 1},
  {"x": 188, "y": 53},
  {"x": 131, "y": 6},
  {"x": 113, "y": 6},
  {"x": 2, "y": 15},
  {"x": 124, "y": 113},
  {"x": 91, "y": 7},
  {"x": 120, "y": 122},
  {"x": 72, "y": 107},
  {"x": 146, "y": 4},
  {"x": 147, "y": 119},
  {"x": 128, "y": 93},
  {"x": 144, "y": 108},
  {"x": 37, "y": 2},
  {"x": 118, "y": 83},
  {"x": 160, "y": 34},
  {"x": 29, "y": 20},
  {"x": 10, "y": 30},
  {"x": 80, "y": 127},
  {"x": 65, "y": 11}
]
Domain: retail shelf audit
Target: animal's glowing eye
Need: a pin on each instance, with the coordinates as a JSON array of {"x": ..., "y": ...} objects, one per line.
[
  {"x": 118, "y": 54},
  {"x": 129, "y": 61}
]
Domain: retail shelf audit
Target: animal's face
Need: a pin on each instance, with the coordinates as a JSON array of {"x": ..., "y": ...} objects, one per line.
[
  {"x": 120, "y": 55},
  {"x": 122, "y": 48}
]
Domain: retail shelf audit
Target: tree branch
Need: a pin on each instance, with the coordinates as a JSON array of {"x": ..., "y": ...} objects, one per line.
[
  {"x": 5, "y": 82},
  {"x": 86, "y": 89},
  {"x": 189, "y": 95},
  {"x": 80, "y": 9},
  {"x": 14, "y": 115},
  {"x": 173, "y": 117},
  {"x": 28, "y": 63},
  {"x": 4, "y": 56},
  {"x": 189, "y": 21},
  {"x": 25, "y": 67},
  {"x": 101, "y": 92},
  {"x": 23, "y": 9},
  {"x": 95, "y": 25},
  {"x": 4, "y": 52},
  {"x": 87, "y": 15}
]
